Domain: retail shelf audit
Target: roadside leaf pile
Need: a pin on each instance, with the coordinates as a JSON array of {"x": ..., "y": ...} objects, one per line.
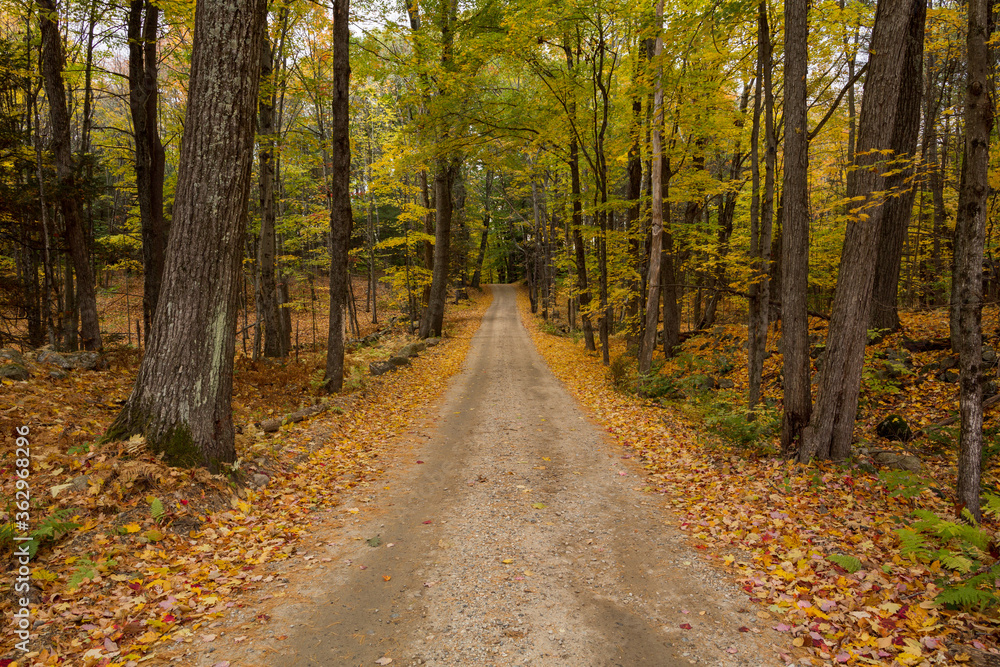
[
  {"x": 147, "y": 555},
  {"x": 815, "y": 546}
]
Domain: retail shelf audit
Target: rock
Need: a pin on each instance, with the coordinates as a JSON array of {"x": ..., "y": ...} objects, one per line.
[
  {"x": 80, "y": 483},
  {"x": 989, "y": 356},
  {"x": 894, "y": 427},
  {"x": 11, "y": 355},
  {"x": 989, "y": 388},
  {"x": 47, "y": 356},
  {"x": 431, "y": 342},
  {"x": 704, "y": 383},
  {"x": 58, "y": 374},
  {"x": 85, "y": 360},
  {"x": 377, "y": 368},
  {"x": 947, "y": 363},
  {"x": 260, "y": 479},
  {"x": 461, "y": 294},
  {"x": 726, "y": 383},
  {"x": 15, "y": 372},
  {"x": 412, "y": 349},
  {"x": 900, "y": 358},
  {"x": 948, "y": 376},
  {"x": 898, "y": 461},
  {"x": 381, "y": 367}
]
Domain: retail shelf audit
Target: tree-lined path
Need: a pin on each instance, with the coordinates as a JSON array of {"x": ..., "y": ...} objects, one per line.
[{"x": 519, "y": 541}]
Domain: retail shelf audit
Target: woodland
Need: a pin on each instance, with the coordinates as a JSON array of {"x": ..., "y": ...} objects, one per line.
[{"x": 772, "y": 221}]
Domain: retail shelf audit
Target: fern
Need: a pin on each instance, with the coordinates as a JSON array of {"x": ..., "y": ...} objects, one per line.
[
  {"x": 954, "y": 562},
  {"x": 156, "y": 508},
  {"x": 86, "y": 569},
  {"x": 962, "y": 548},
  {"x": 51, "y": 529},
  {"x": 849, "y": 563},
  {"x": 968, "y": 597},
  {"x": 913, "y": 544}
]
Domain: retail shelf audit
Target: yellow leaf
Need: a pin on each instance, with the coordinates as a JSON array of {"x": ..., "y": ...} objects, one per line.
[{"x": 132, "y": 527}]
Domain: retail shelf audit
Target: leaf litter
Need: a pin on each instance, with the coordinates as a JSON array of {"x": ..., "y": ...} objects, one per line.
[{"x": 152, "y": 555}]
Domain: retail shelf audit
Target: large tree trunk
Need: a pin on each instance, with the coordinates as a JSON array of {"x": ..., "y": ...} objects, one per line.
[
  {"x": 892, "y": 92},
  {"x": 896, "y": 216},
  {"x": 433, "y": 318},
  {"x": 269, "y": 311},
  {"x": 656, "y": 245},
  {"x": 52, "y": 65},
  {"x": 341, "y": 216},
  {"x": 969, "y": 237},
  {"x": 761, "y": 212},
  {"x": 795, "y": 230},
  {"x": 182, "y": 396},
  {"x": 143, "y": 19}
]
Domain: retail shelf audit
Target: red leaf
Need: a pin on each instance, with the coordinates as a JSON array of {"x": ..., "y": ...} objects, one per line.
[
  {"x": 685, "y": 626},
  {"x": 744, "y": 629}
]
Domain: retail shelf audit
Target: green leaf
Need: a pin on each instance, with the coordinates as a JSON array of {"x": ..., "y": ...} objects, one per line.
[
  {"x": 156, "y": 507},
  {"x": 849, "y": 563}
]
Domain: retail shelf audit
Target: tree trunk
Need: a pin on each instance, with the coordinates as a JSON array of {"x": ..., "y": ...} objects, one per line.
[
  {"x": 795, "y": 230},
  {"x": 428, "y": 229},
  {"x": 668, "y": 269},
  {"x": 182, "y": 396},
  {"x": 484, "y": 239},
  {"x": 892, "y": 91},
  {"x": 583, "y": 290},
  {"x": 656, "y": 245},
  {"x": 341, "y": 216},
  {"x": 761, "y": 212},
  {"x": 969, "y": 237},
  {"x": 269, "y": 311},
  {"x": 896, "y": 217},
  {"x": 53, "y": 61},
  {"x": 433, "y": 318},
  {"x": 143, "y": 19}
]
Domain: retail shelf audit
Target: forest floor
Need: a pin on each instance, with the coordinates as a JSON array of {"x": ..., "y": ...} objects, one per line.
[
  {"x": 136, "y": 556},
  {"x": 510, "y": 532},
  {"x": 535, "y": 514}
]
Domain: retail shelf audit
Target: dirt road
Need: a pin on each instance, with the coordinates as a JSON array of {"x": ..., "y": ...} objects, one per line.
[{"x": 521, "y": 540}]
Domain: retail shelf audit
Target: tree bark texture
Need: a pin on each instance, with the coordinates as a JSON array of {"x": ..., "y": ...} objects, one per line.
[
  {"x": 656, "y": 243},
  {"x": 182, "y": 396},
  {"x": 269, "y": 311},
  {"x": 795, "y": 230},
  {"x": 762, "y": 211},
  {"x": 892, "y": 88},
  {"x": 341, "y": 216},
  {"x": 970, "y": 237},
  {"x": 143, "y": 20},
  {"x": 896, "y": 216},
  {"x": 52, "y": 63}
]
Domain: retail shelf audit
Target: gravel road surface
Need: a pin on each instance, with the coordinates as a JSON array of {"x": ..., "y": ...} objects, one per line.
[{"x": 521, "y": 539}]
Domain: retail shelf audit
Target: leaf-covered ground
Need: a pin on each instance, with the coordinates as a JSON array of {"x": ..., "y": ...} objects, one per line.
[
  {"x": 151, "y": 554},
  {"x": 779, "y": 526}
]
